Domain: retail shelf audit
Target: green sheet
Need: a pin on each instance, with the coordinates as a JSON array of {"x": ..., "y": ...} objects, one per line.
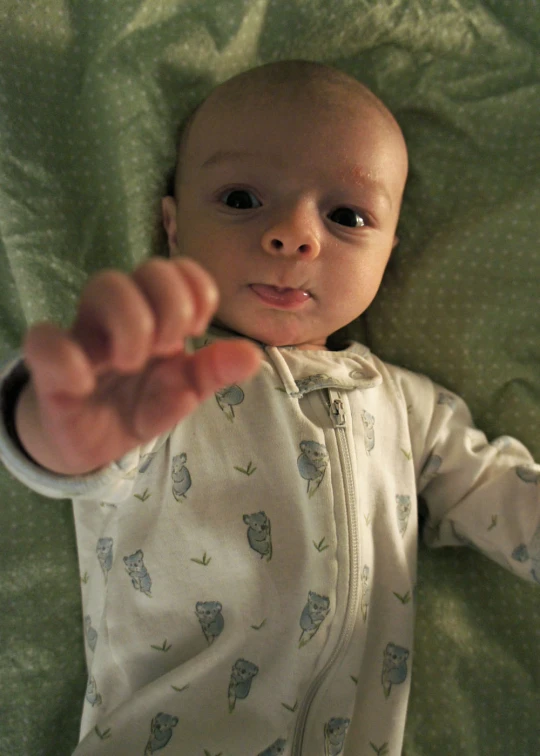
[{"x": 90, "y": 95}]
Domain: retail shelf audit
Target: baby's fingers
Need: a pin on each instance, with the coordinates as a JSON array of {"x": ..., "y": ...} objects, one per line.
[
  {"x": 222, "y": 363},
  {"x": 177, "y": 385},
  {"x": 115, "y": 324},
  {"x": 204, "y": 291},
  {"x": 58, "y": 365},
  {"x": 182, "y": 297}
]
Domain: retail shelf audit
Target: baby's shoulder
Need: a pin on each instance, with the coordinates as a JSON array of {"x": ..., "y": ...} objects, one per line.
[{"x": 405, "y": 380}]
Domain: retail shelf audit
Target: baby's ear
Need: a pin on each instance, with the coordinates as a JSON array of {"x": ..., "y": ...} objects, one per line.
[{"x": 168, "y": 213}]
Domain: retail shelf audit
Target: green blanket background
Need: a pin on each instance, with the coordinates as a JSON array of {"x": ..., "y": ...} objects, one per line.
[{"x": 91, "y": 92}]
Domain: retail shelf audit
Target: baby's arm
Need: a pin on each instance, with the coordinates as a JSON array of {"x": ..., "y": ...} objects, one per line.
[
  {"x": 121, "y": 376},
  {"x": 481, "y": 494}
]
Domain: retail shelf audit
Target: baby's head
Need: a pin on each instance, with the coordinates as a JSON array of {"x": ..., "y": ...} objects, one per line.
[{"x": 288, "y": 190}]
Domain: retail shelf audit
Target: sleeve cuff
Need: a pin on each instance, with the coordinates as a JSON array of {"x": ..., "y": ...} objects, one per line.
[{"x": 113, "y": 482}]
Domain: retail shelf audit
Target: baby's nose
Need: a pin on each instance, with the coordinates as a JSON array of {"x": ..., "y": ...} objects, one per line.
[{"x": 292, "y": 234}]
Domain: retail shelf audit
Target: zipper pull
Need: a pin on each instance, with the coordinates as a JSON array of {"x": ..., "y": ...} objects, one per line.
[{"x": 337, "y": 414}]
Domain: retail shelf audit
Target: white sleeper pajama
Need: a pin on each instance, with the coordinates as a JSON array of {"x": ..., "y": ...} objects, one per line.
[{"x": 248, "y": 579}]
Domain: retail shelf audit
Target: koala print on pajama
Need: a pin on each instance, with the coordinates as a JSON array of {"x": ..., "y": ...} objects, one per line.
[
  {"x": 161, "y": 731},
  {"x": 228, "y": 398},
  {"x": 335, "y": 731},
  {"x": 522, "y": 554},
  {"x": 312, "y": 464},
  {"x": 403, "y": 512},
  {"x": 92, "y": 695},
  {"x": 368, "y": 422},
  {"x": 91, "y": 633},
  {"x": 259, "y": 534},
  {"x": 211, "y": 619},
  {"x": 104, "y": 551},
  {"x": 312, "y": 617},
  {"x": 181, "y": 477},
  {"x": 276, "y": 749},
  {"x": 140, "y": 579},
  {"x": 364, "y": 601},
  {"x": 394, "y": 667},
  {"x": 242, "y": 675}
]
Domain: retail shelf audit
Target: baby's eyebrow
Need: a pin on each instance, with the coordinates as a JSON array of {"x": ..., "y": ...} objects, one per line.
[
  {"x": 354, "y": 174},
  {"x": 358, "y": 176},
  {"x": 225, "y": 156}
]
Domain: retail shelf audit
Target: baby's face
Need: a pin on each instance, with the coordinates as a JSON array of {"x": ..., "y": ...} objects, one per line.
[{"x": 292, "y": 205}]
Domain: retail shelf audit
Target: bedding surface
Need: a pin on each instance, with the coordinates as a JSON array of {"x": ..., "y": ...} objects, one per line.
[{"x": 91, "y": 93}]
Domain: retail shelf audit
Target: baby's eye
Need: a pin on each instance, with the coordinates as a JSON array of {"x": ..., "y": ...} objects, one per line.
[
  {"x": 346, "y": 216},
  {"x": 240, "y": 199}
]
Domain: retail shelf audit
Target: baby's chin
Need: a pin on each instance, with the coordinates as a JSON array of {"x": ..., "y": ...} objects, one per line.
[{"x": 270, "y": 335}]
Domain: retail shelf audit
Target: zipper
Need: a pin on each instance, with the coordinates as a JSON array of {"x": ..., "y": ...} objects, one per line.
[{"x": 337, "y": 415}]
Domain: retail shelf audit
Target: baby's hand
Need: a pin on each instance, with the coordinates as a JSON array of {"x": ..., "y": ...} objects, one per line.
[{"x": 120, "y": 376}]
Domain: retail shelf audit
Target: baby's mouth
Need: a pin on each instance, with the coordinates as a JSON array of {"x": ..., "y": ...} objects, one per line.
[{"x": 281, "y": 296}]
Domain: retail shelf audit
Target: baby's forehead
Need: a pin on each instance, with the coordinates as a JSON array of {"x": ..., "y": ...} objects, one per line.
[
  {"x": 323, "y": 98},
  {"x": 229, "y": 118},
  {"x": 284, "y": 99}
]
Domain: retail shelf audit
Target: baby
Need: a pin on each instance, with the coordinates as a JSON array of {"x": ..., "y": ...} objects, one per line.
[{"x": 248, "y": 555}]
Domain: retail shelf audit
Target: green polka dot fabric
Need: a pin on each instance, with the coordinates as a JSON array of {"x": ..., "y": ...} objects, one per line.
[{"x": 91, "y": 92}]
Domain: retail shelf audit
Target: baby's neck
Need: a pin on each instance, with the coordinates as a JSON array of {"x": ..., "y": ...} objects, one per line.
[{"x": 222, "y": 330}]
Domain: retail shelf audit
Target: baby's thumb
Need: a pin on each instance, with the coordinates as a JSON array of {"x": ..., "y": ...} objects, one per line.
[
  {"x": 222, "y": 363},
  {"x": 175, "y": 387}
]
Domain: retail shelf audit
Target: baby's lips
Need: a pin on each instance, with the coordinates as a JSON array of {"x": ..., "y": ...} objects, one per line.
[{"x": 280, "y": 295}]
